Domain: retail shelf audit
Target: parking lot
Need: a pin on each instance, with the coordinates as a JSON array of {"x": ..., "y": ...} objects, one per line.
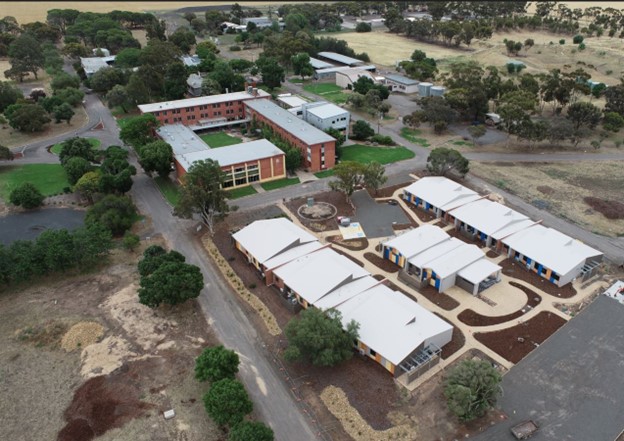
[{"x": 376, "y": 218}]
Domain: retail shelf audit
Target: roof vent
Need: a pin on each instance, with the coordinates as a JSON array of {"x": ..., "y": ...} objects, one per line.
[{"x": 413, "y": 320}]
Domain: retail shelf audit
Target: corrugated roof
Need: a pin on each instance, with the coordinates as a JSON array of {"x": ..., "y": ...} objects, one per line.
[
  {"x": 487, "y": 216},
  {"x": 455, "y": 260},
  {"x": 391, "y": 324},
  {"x": 232, "y": 154},
  {"x": 319, "y": 64},
  {"x": 401, "y": 79},
  {"x": 442, "y": 192},
  {"x": 292, "y": 254},
  {"x": 553, "y": 249},
  {"x": 293, "y": 125},
  {"x": 346, "y": 292},
  {"x": 266, "y": 238},
  {"x": 327, "y": 110},
  {"x": 417, "y": 240},
  {"x": 201, "y": 100},
  {"x": 420, "y": 260},
  {"x": 479, "y": 271},
  {"x": 292, "y": 101},
  {"x": 340, "y": 58}
]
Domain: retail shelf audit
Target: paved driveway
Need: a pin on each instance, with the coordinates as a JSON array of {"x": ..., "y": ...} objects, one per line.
[
  {"x": 571, "y": 386},
  {"x": 376, "y": 219},
  {"x": 492, "y": 136}
]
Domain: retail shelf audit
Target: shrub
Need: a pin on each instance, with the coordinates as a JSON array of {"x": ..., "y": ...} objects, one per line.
[
  {"x": 235, "y": 48},
  {"x": 577, "y": 39},
  {"x": 609, "y": 209},
  {"x": 130, "y": 241},
  {"x": 382, "y": 139},
  {"x": 27, "y": 196},
  {"x": 363, "y": 27},
  {"x": 439, "y": 127},
  {"x": 582, "y": 47},
  {"x": 562, "y": 41}
]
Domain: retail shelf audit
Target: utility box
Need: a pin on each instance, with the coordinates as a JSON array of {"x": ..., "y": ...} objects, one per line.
[{"x": 310, "y": 202}]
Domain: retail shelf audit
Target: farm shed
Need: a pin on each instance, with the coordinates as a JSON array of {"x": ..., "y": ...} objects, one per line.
[
  {"x": 347, "y": 76},
  {"x": 404, "y": 246},
  {"x": 340, "y": 59},
  {"x": 438, "y": 194},
  {"x": 91, "y": 65},
  {"x": 318, "y": 64},
  {"x": 399, "y": 83},
  {"x": 551, "y": 254}
]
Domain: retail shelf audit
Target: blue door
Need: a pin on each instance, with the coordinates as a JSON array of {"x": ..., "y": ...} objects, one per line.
[
  {"x": 437, "y": 284},
  {"x": 386, "y": 253},
  {"x": 483, "y": 236},
  {"x": 540, "y": 267}
]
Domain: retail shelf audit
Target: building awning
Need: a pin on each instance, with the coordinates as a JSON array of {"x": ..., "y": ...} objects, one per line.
[{"x": 477, "y": 272}]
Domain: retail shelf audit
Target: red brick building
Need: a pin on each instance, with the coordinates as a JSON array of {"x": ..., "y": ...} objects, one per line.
[{"x": 318, "y": 149}]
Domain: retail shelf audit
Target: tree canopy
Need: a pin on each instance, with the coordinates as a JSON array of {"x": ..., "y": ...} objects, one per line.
[
  {"x": 317, "y": 337},
  {"x": 171, "y": 283},
  {"x": 116, "y": 213},
  {"x": 251, "y": 431},
  {"x": 156, "y": 156},
  {"x": 227, "y": 402},
  {"x": 26, "y": 196},
  {"x": 139, "y": 130},
  {"x": 216, "y": 363},
  {"x": 442, "y": 160}
]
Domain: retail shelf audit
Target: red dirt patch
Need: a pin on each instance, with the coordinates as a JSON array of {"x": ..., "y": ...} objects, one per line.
[
  {"x": 458, "y": 235},
  {"x": 352, "y": 244},
  {"x": 513, "y": 269},
  {"x": 444, "y": 301},
  {"x": 440, "y": 224},
  {"x": 472, "y": 318},
  {"x": 102, "y": 403},
  {"x": 381, "y": 263},
  {"x": 387, "y": 192},
  {"x": 517, "y": 342},
  {"x": 492, "y": 254},
  {"x": 545, "y": 189},
  {"x": 609, "y": 209},
  {"x": 420, "y": 213}
]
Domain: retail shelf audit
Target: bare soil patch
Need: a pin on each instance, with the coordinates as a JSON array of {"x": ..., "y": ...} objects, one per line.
[
  {"x": 440, "y": 224},
  {"x": 334, "y": 198},
  {"x": 609, "y": 209},
  {"x": 517, "y": 342},
  {"x": 444, "y": 301},
  {"x": 458, "y": 235},
  {"x": 472, "y": 318},
  {"x": 386, "y": 192},
  {"x": 513, "y": 269},
  {"x": 421, "y": 214},
  {"x": 492, "y": 254},
  {"x": 48, "y": 334},
  {"x": 545, "y": 189},
  {"x": 381, "y": 263},
  {"x": 350, "y": 244}
]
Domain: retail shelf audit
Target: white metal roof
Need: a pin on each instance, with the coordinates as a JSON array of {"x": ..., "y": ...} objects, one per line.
[
  {"x": 93, "y": 64},
  {"x": 182, "y": 139},
  {"x": 327, "y": 110},
  {"x": 420, "y": 260},
  {"x": 190, "y": 60},
  {"x": 455, "y": 260},
  {"x": 417, "y": 240},
  {"x": 201, "y": 100},
  {"x": 293, "y": 125},
  {"x": 232, "y": 154},
  {"x": 292, "y": 101},
  {"x": 352, "y": 73},
  {"x": 319, "y": 64},
  {"x": 267, "y": 238},
  {"x": 402, "y": 80},
  {"x": 314, "y": 275},
  {"x": 346, "y": 292},
  {"x": 340, "y": 58},
  {"x": 551, "y": 248},
  {"x": 479, "y": 271},
  {"x": 616, "y": 291},
  {"x": 292, "y": 254},
  {"x": 487, "y": 216},
  {"x": 390, "y": 323},
  {"x": 441, "y": 192},
  {"x": 513, "y": 228}
]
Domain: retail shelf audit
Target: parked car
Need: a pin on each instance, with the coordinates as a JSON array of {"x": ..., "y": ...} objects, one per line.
[
  {"x": 393, "y": 202},
  {"x": 524, "y": 430}
]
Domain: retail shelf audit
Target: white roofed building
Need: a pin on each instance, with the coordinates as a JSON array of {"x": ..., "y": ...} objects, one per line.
[
  {"x": 400, "y": 83},
  {"x": 91, "y": 65},
  {"x": 324, "y": 116},
  {"x": 552, "y": 255},
  {"x": 411, "y": 243},
  {"x": 438, "y": 194},
  {"x": 345, "y": 77}
]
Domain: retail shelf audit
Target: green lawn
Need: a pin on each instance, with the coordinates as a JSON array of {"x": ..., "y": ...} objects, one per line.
[
  {"x": 220, "y": 139},
  {"x": 170, "y": 191},
  {"x": 322, "y": 88},
  {"x": 412, "y": 136},
  {"x": 50, "y": 179},
  {"x": 464, "y": 143},
  {"x": 268, "y": 186},
  {"x": 324, "y": 174},
  {"x": 95, "y": 143},
  {"x": 240, "y": 192},
  {"x": 365, "y": 154}
]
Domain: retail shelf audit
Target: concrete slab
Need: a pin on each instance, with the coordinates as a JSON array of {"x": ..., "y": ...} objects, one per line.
[
  {"x": 571, "y": 385},
  {"x": 376, "y": 218}
]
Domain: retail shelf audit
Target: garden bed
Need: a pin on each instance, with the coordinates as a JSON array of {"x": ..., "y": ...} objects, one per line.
[
  {"x": 444, "y": 301},
  {"x": 334, "y": 198},
  {"x": 387, "y": 192},
  {"x": 514, "y": 269},
  {"x": 515, "y": 343},
  {"x": 420, "y": 213},
  {"x": 472, "y": 318},
  {"x": 456, "y": 234},
  {"x": 351, "y": 244},
  {"x": 381, "y": 263}
]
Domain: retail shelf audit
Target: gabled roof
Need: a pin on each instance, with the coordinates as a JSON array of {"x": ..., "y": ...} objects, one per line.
[
  {"x": 346, "y": 292},
  {"x": 417, "y": 240},
  {"x": 326, "y": 110},
  {"x": 266, "y": 238},
  {"x": 340, "y": 58},
  {"x": 314, "y": 275},
  {"x": 455, "y": 260},
  {"x": 292, "y": 254},
  {"x": 402, "y": 80},
  {"x": 421, "y": 259},
  {"x": 551, "y": 248},
  {"x": 390, "y": 323},
  {"x": 441, "y": 192},
  {"x": 487, "y": 216},
  {"x": 319, "y": 64},
  {"x": 479, "y": 271}
]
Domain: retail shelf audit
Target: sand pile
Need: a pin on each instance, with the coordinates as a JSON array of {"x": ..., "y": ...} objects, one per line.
[
  {"x": 82, "y": 335},
  {"x": 104, "y": 357}
]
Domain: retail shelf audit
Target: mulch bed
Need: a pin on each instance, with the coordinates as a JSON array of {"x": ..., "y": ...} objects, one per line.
[
  {"x": 536, "y": 330},
  {"x": 492, "y": 254},
  {"x": 440, "y": 224},
  {"x": 455, "y": 233},
  {"x": 353, "y": 259},
  {"x": 352, "y": 244},
  {"x": 456, "y": 343},
  {"x": 472, "y": 318},
  {"x": 335, "y": 198},
  {"x": 444, "y": 301},
  {"x": 381, "y": 263},
  {"x": 513, "y": 269},
  {"x": 420, "y": 213},
  {"x": 401, "y": 227},
  {"x": 608, "y": 208},
  {"x": 387, "y": 192}
]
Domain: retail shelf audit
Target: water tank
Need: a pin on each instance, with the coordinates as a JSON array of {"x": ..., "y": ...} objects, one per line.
[
  {"x": 437, "y": 90},
  {"x": 424, "y": 89}
]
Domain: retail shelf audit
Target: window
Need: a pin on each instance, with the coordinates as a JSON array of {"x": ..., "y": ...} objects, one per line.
[
  {"x": 156, "y": 113},
  {"x": 254, "y": 178},
  {"x": 188, "y": 109},
  {"x": 241, "y": 181},
  {"x": 372, "y": 353},
  {"x": 215, "y": 106}
]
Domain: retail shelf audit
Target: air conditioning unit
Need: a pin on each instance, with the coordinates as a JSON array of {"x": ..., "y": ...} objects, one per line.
[
  {"x": 281, "y": 289},
  {"x": 362, "y": 351}
]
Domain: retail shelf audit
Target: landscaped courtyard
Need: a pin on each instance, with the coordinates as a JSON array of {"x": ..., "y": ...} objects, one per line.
[
  {"x": 220, "y": 139},
  {"x": 49, "y": 179},
  {"x": 365, "y": 154},
  {"x": 328, "y": 91}
]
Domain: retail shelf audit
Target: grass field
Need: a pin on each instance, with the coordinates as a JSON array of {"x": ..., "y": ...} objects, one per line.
[
  {"x": 273, "y": 185},
  {"x": 413, "y": 135},
  {"x": 220, "y": 139},
  {"x": 329, "y": 91},
  {"x": 50, "y": 179},
  {"x": 95, "y": 143},
  {"x": 324, "y": 174},
  {"x": 365, "y": 154},
  {"x": 241, "y": 192},
  {"x": 560, "y": 188},
  {"x": 169, "y": 190}
]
